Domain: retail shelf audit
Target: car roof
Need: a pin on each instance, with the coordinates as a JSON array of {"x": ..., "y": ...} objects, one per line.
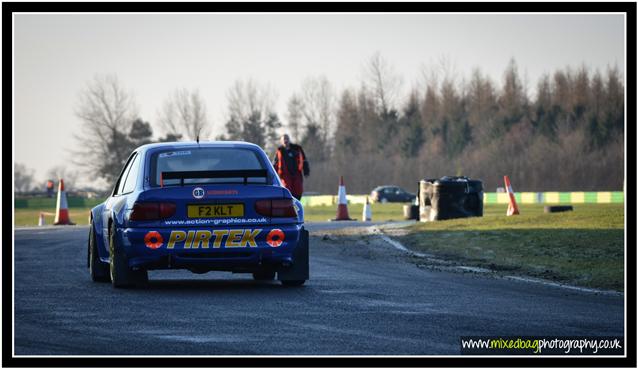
[
  {"x": 194, "y": 144},
  {"x": 386, "y": 186}
]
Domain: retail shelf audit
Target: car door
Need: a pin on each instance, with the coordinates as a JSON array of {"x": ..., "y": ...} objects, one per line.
[
  {"x": 402, "y": 195},
  {"x": 387, "y": 194}
]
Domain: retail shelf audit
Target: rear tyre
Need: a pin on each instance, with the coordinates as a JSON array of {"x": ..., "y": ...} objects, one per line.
[
  {"x": 299, "y": 272},
  {"x": 264, "y": 276},
  {"x": 121, "y": 274},
  {"x": 98, "y": 270}
]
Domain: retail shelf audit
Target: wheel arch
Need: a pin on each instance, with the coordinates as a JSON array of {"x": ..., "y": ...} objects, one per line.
[{"x": 96, "y": 222}]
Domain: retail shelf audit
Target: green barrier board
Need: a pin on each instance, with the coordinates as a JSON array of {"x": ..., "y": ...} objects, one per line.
[{"x": 521, "y": 197}]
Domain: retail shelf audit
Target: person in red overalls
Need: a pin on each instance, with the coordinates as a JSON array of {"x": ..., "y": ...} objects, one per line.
[{"x": 291, "y": 164}]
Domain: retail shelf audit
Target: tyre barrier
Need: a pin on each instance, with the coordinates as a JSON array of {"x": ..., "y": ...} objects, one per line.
[
  {"x": 558, "y": 209},
  {"x": 410, "y": 211}
]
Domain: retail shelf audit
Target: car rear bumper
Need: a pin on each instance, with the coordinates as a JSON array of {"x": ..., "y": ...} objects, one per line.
[{"x": 230, "y": 248}]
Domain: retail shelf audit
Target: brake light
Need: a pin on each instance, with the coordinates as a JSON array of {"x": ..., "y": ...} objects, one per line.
[
  {"x": 279, "y": 208},
  {"x": 152, "y": 210}
]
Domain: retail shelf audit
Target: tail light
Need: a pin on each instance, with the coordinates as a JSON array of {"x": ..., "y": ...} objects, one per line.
[
  {"x": 152, "y": 210},
  {"x": 278, "y": 208}
]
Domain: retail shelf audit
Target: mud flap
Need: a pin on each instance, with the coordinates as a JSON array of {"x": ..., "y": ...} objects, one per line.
[{"x": 300, "y": 269}]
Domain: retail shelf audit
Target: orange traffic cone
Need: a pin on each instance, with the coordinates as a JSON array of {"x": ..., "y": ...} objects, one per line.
[
  {"x": 342, "y": 204},
  {"x": 62, "y": 208},
  {"x": 41, "y": 221},
  {"x": 512, "y": 208}
]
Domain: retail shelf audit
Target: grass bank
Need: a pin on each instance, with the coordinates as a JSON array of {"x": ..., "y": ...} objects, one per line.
[
  {"x": 380, "y": 212},
  {"x": 584, "y": 247},
  {"x": 29, "y": 217},
  {"x": 27, "y": 210}
]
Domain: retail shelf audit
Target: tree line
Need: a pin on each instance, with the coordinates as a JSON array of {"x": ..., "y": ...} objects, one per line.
[{"x": 568, "y": 136}]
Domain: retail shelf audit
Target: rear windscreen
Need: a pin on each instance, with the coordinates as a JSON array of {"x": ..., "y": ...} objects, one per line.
[{"x": 205, "y": 159}]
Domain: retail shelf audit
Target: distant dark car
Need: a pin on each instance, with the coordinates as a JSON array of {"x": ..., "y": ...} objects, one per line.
[{"x": 391, "y": 194}]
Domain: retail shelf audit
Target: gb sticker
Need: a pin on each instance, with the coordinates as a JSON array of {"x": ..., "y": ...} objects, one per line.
[{"x": 198, "y": 192}]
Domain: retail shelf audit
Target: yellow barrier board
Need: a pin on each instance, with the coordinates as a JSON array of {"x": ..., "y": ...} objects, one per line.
[
  {"x": 552, "y": 197},
  {"x": 320, "y": 200},
  {"x": 356, "y": 199},
  {"x": 578, "y": 197},
  {"x": 502, "y": 198},
  {"x": 528, "y": 197},
  {"x": 604, "y": 197}
]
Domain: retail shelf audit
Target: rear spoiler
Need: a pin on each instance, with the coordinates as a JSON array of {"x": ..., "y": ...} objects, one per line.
[{"x": 245, "y": 174}]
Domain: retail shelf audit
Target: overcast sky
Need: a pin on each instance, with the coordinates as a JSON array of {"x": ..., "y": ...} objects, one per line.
[{"x": 56, "y": 55}]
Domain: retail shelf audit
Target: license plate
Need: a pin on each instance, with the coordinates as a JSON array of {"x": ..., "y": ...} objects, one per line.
[{"x": 216, "y": 211}]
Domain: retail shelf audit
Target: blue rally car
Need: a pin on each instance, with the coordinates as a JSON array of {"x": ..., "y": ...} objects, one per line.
[{"x": 199, "y": 206}]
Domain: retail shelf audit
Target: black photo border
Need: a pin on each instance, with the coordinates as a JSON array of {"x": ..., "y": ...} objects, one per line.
[{"x": 8, "y": 360}]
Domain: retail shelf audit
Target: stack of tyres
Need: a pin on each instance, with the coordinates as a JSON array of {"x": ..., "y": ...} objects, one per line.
[{"x": 450, "y": 198}]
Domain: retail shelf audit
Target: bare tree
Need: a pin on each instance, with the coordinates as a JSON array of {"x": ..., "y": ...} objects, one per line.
[
  {"x": 319, "y": 106},
  {"x": 437, "y": 71},
  {"x": 107, "y": 111},
  {"x": 383, "y": 82},
  {"x": 248, "y": 97},
  {"x": 615, "y": 99},
  {"x": 22, "y": 178},
  {"x": 68, "y": 175},
  {"x": 513, "y": 101},
  {"x": 184, "y": 113},
  {"x": 348, "y": 142},
  {"x": 482, "y": 105},
  {"x": 411, "y": 136},
  {"x": 562, "y": 93},
  {"x": 431, "y": 107},
  {"x": 294, "y": 117},
  {"x": 251, "y": 114},
  {"x": 544, "y": 113}
]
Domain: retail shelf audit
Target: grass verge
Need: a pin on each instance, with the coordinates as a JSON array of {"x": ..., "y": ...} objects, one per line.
[
  {"x": 30, "y": 217},
  {"x": 380, "y": 212},
  {"x": 584, "y": 247},
  {"x": 79, "y": 215}
]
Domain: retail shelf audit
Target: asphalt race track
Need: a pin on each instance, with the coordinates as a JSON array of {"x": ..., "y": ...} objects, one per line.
[{"x": 361, "y": 300}]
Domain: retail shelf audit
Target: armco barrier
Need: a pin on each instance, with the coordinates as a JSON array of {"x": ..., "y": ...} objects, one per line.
[{"x": 611, "y": 197}]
